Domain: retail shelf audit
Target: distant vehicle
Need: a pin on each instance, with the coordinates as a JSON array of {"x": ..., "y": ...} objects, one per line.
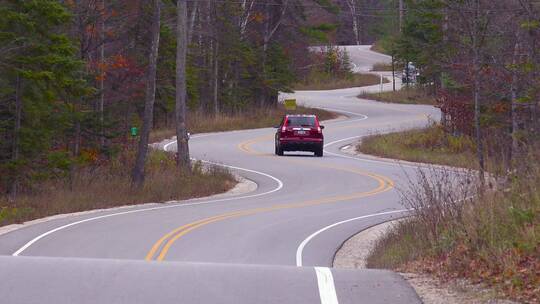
[
  {"x": 410, "y": 74},
  {"x": 299, "y": 133}
]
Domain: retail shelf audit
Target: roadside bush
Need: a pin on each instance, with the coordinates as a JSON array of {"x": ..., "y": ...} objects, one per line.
[
  {"x": 108, "y": 185},
  {"x": 493, "y": 238}
]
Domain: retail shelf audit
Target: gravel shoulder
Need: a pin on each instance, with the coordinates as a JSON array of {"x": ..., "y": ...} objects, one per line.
[{"x": 354, "y": 252}]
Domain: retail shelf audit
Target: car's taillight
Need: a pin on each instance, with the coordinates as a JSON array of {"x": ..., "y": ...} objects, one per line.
[
  {"x": 283, "y": 129},
  {"x": 319, "y": 130}
]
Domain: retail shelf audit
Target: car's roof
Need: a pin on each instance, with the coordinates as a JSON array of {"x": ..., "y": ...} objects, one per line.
[{"x": 301, "y": 115}]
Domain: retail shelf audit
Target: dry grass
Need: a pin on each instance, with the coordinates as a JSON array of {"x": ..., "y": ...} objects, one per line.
[
  {"x": 431, "y": 145},
  {"x": 255, "y": 118},
  {"x": 405, "y": 96},
  {"x": 383, "y": 67},
  {"x": 492, "y": 239},
  {"x": 108, "y": 185},
  {"x": 325, "y": 83},
  {"x": 378, "y": 47}
]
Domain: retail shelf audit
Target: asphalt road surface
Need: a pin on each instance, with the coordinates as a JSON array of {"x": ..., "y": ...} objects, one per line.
[{"x": 273, "y": 245}]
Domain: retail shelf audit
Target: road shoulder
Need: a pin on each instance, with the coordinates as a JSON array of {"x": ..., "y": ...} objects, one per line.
[
  {"x": 243, "y": 186},
  {"x": 354, "y": 252}
]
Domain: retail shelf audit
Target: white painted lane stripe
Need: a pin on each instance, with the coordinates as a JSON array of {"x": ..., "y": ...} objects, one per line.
[
  {"x": 277, "y": 188},
  {"x": 300, "y": 249},
  {"x": 327, "y": 288},
  {"x": 362, "y": 116}
]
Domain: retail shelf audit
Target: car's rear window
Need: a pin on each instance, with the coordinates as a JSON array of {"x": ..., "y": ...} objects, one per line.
[{"x": 301, "y": 121}]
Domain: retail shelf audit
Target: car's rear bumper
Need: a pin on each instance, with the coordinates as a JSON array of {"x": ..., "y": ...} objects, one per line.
[{"x": 294, "y": 144}]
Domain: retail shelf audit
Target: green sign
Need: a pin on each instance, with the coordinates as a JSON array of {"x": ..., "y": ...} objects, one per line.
[
  {"x": 290, "y": 104},
  {"x": 134, "y": 131}
]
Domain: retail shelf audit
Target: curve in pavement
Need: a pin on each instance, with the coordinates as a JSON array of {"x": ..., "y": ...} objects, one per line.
[{"x": 250, "y": 243}]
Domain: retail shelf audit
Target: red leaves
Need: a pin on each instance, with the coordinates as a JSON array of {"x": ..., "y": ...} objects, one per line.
[
  {"x": 258, "y": 17},
  {"x": 501, "y": 107},
  {"x": 119, "y": 62},
  {"x": 459, "y": 112}
]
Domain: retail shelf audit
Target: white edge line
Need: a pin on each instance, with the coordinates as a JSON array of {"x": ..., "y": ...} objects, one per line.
[
  {"x": 327, "y": 288},
  {"x": 396, "y": 162},
  {"x": 363, "y": 116},
  {"x": 300, "y": 249},
  {"x": 41, "y": 236}
]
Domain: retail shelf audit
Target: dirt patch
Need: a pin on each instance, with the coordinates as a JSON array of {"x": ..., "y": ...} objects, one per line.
[{"x": 433, "y": 291}]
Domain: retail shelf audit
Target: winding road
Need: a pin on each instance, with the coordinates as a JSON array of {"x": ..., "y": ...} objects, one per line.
[{"x": 273, "y": 245}]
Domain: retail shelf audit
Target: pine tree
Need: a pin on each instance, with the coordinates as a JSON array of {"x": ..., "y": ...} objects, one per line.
[{"x": 40, "y": 74}]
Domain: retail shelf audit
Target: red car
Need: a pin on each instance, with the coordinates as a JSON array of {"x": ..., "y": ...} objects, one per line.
[{"x": 300, "y": 133}]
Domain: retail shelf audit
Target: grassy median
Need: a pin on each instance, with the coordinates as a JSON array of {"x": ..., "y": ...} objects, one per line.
[
  {"x": 252, "y": 119},
  {"x": 406, "y": 95},
  {"x": 431, "y": 145},
  {"x": 333, "y": 83}
]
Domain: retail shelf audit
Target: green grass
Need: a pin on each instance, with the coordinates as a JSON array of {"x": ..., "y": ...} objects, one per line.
[
  {"x": 330, "y": 83},
  {"x": 431, "y": 145},
  {"x": 108, "y": 185},
  {"x": 404, "y": 96}
]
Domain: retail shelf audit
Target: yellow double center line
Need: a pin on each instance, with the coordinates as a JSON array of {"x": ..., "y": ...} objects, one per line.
[{"x": 160, "y": 249}]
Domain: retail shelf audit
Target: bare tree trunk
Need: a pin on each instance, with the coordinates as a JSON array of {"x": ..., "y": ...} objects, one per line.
[
  {"x": 102, "y": 79},
  {"x": 16, "y": 136},
  {"x": 393, "y": 72},
  {"x": 514, "y": 152},
  {"x": 355, "y": 27},
  {"x": 76, "y": 152},
  {"x": 444, "y": 117},
  {"x": 181, "y": 50},
  {"x": 401, "y": 15},
  {"x": 215, "y": 78},
  {"x": 244, "y": 19},
  {"x": 192, "y": 20},
  {"x": 269, "y": 31},
  {"x": 137, "y": 178},
  {"x": 476, "y": 93}
]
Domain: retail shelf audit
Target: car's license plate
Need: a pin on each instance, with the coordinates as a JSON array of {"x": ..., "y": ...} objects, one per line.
[{"x": 301, "y": 132}]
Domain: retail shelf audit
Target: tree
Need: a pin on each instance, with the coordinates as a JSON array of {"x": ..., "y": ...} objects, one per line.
[
  {"x": 483, "y": 65},
  {"x": 138, "y": 170},
  {"x": 182, "y": 138},
  {"x": 352, "y": 5},
  {"x": 40, "y": 74}
]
